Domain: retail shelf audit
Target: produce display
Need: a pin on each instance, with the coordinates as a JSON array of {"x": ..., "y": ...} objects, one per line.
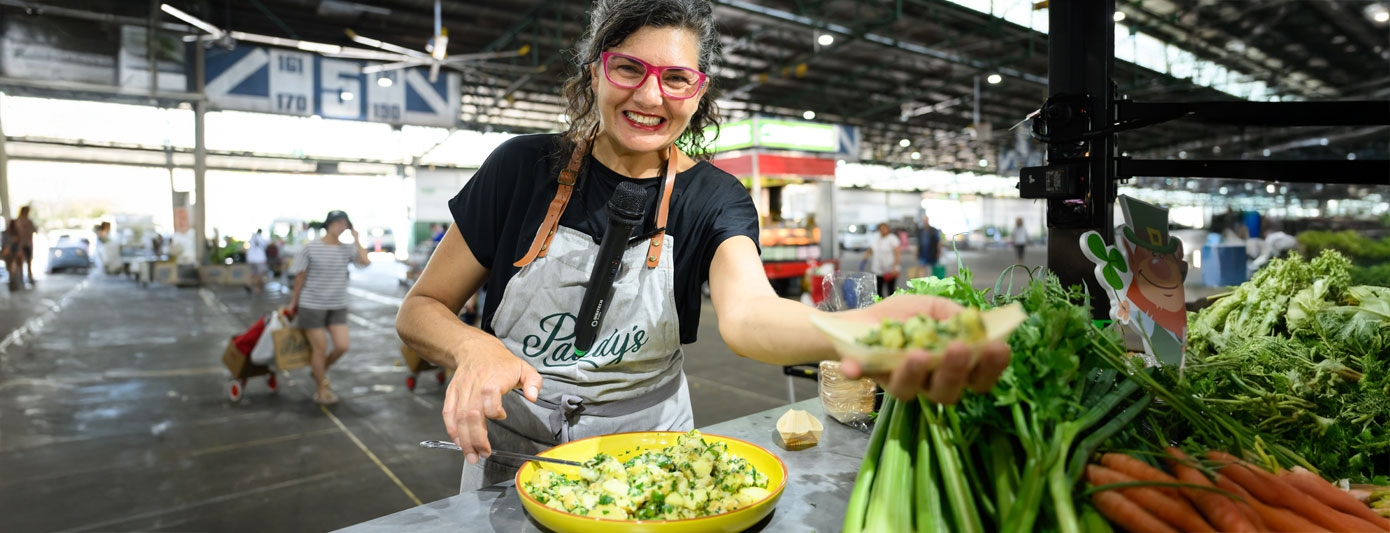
[
  {"x": 1073, "y": 405},
  {"x": 1370, "y": 258},
  {"x": 689, "y": 480},
  {"x": 1222, "y": 493},
  {"x": 1304, "y": 356}
]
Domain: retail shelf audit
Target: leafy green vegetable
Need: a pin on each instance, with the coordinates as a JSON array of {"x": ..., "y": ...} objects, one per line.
[
  {"x": 1349, "y": 243},
  {"x": 1302, "y": 355}
]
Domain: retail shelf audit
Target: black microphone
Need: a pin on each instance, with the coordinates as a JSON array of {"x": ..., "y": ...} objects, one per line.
[{"x": 626, "y": 209}]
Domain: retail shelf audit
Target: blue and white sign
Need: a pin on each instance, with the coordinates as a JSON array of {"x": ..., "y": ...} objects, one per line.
[{"x": 290, "y": 82}]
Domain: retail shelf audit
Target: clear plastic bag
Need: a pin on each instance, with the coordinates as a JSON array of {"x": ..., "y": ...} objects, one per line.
[
  {"x": 849, "y": 401},
  {"x": 848, "y": 290}
]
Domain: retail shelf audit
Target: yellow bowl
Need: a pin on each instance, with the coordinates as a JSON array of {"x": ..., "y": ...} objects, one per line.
[{"x": 624, "y": 446}]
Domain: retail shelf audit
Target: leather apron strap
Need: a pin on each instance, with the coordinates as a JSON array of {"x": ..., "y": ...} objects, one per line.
[
  {"x": 546, "y": 232},
  {"x": 566, "y": 181}
]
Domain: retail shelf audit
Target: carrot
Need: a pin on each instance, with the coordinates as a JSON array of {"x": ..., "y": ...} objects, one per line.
[
  {"x": 1128, "y": 514},
  {"x": 1178, "y": 512},
  {"x": 1140, "y": 470},
  {"x": 1317, "y": 487},
  {"x": 1274, "y": 491},
  {"x": 1246, "y": 506},
  {"x": 1277, "y": 518},
  {"x": 1220, "y": 510}
]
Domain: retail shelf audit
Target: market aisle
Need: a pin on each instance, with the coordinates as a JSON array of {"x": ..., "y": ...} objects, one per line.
[{"x": 114, "y": 417}]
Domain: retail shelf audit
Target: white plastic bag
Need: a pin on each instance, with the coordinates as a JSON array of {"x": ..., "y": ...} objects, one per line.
[{"x": 264, "y": 351}]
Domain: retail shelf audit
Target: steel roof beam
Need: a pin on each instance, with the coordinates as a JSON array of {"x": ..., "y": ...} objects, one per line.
[{"x": 793, "y": 18}]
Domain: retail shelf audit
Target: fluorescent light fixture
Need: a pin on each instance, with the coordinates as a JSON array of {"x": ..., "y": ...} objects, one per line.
[
  {"x": 994, "y": 79},
  {"x": 809, "y": 115},
  {"x": 321, "y": 48},
  {"x": 384, "y": 81},
  {"x": 825, "y": 39},
  {"x": 904, "y": 143},
  {"x": 195, "y": 21},
  {"x": 1378, "y": 12}
]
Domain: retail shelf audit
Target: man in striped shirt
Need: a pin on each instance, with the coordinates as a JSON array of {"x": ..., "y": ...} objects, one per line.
[{"x": 320, "y": 296}]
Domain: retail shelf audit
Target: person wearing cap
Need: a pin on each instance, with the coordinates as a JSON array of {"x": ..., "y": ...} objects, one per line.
[{"x": 320, "y": 296}]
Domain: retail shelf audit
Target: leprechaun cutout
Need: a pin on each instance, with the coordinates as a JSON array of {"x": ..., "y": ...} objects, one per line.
[{"x": 1144, "y": 278}]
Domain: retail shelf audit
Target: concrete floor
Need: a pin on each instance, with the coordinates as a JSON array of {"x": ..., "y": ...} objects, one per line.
[{"x": 114, "y": 414}]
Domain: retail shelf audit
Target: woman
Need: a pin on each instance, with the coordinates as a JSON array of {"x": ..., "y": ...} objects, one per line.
[
  {"x": 527, "y": 224},
  {"x": 320, "y": 297},
  {"x": 883, "y": 256},
  {"x": 24, "y": 231}
]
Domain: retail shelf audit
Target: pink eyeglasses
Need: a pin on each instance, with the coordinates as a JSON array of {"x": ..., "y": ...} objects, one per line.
[{"x": 629, "y": 72}]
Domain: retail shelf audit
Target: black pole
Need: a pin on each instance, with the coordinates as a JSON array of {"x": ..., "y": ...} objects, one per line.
[{"x": 1080, "y": 59}]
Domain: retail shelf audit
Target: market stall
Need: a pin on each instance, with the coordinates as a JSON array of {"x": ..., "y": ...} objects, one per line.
[{"x": 789, "y": 168}]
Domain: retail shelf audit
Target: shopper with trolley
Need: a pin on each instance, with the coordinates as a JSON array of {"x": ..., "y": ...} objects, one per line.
[{"x": 320, "y": 297}]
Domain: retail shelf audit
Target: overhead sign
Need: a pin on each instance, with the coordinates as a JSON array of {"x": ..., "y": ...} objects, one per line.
[
  {"x": 804, "y": 136},
  {"x": 733, "y": 136},
  {"x": 57, "y": 49},
  {"x": 290, "y": 82},
  {"x": 788, "y": 135}
]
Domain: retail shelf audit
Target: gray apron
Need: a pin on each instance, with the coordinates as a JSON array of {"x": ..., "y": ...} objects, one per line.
[{"x": 630, "y": 380}]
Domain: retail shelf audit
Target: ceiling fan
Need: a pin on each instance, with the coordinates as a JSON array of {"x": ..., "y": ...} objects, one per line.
[
  {"x": 227, "y": 39},
  {"x": 436, "y": 53}
]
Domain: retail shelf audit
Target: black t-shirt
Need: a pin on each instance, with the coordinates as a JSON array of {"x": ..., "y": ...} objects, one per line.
[{"x": 502, "y": 205}]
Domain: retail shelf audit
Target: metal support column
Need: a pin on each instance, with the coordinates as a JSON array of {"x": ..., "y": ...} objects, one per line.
[
  {"x": 975, "y": 113},
  {"x": 826, "y": 219},
  {"x": 756, "y": 182},
  {"x": 4, "y": 178},
  {"x": 1081, "y": 57},
  {"x": 200, "y": 157},
  {"x": 150, "y": 56}
]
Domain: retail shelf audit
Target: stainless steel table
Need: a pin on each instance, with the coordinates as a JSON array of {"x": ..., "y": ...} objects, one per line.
[{"x": 814, "y": 500}]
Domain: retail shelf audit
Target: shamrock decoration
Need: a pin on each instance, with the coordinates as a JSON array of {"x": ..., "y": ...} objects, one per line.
[{"x": 1115, "y": 263}]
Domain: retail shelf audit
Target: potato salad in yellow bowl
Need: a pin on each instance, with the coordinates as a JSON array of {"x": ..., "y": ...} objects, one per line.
[{"x": 653, "y": 481}]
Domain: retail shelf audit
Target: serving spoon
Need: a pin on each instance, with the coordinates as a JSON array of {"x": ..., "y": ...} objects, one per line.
[{"x": 443, "y": 445}]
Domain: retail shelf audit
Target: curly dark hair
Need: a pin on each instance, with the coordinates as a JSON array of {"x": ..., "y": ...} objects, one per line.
[{"x": 612, "y": 21}]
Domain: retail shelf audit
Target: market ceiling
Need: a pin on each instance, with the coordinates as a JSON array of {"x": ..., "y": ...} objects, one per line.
[{"x": 882, "y": 61}]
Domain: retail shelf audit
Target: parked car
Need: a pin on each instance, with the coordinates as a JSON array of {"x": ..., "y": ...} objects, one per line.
[
  {"x": 855, "y": 237},
  {"x": 71, "y": 250},
  {"x": 379, "y": 239}
]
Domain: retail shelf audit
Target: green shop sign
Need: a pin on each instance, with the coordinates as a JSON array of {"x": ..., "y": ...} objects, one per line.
[{"x": 771, "y": 133}]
